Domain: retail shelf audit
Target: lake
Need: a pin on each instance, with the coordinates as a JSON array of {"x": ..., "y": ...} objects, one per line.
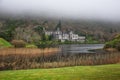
[{"x": 79, "y": 48}]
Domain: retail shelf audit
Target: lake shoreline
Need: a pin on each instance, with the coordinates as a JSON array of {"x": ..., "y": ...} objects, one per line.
[{"x": 28, "y": 60}]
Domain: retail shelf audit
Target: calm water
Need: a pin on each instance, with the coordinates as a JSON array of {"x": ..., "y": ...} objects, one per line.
[{"x": 80, "y": 48}]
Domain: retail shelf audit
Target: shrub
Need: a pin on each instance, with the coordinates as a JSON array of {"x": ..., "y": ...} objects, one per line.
[
  {"x": 46, "y": 44},
  {"x": 110, "y": 44},
  {"x": 115, "y": 43},
  {"x": 18, "y": 43},
  {"x": 31, "y": 46},
  {"x": 118, "y": 46}
]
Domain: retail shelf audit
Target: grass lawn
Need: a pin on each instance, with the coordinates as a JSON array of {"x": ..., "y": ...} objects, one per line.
[{"x": 101, "y": 72}]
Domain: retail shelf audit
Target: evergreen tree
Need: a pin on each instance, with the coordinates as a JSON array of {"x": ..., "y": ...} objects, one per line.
[{"x": 58, "y": 25}]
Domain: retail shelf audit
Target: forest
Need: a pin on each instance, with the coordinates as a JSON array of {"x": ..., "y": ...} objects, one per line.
[{"x": 29, "y": 29}]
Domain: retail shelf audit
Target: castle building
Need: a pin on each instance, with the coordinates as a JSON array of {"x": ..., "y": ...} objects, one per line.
[{"x": 59, "y": 35}]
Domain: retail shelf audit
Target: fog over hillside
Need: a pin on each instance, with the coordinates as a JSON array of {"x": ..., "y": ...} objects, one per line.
[
  {"x": 108, "y": 10},
  {"x": 97, "y": 18}
]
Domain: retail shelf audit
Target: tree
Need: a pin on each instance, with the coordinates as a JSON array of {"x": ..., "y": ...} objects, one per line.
[
  {"x": 7, "y": 35},
  {"x": 26, "y": 34},
  {"x": 39, "y": 29},
  {"x": 58, "y": 26}
]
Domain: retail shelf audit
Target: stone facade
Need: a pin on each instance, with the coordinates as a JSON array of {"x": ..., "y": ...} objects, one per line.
[{"x": 59, "y": 35}]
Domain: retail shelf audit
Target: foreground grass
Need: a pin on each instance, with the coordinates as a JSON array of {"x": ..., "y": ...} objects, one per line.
[{"x": 102, "y": 72}]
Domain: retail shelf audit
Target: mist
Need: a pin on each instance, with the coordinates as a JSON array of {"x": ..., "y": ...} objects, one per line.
[{"x": 108, "y": 10}]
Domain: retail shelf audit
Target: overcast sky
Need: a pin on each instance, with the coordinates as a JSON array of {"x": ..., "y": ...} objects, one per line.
[{"x": 77, "y": 9}]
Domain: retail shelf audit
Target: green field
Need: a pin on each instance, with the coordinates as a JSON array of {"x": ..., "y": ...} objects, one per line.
[
  {"x": 4, "y": 43},
  {"x": 102, "y": 72}
]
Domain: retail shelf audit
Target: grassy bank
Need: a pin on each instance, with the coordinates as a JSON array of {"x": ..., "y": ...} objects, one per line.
[
  {"x": 103, "y": 72},
  {"x": 4, "y": 43}
]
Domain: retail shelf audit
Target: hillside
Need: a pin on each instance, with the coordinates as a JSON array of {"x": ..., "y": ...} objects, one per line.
[
  {"x": 4, "y": 43},
  {"x": 102, "y": 72},
  {"x": 20, "y": 28}
]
